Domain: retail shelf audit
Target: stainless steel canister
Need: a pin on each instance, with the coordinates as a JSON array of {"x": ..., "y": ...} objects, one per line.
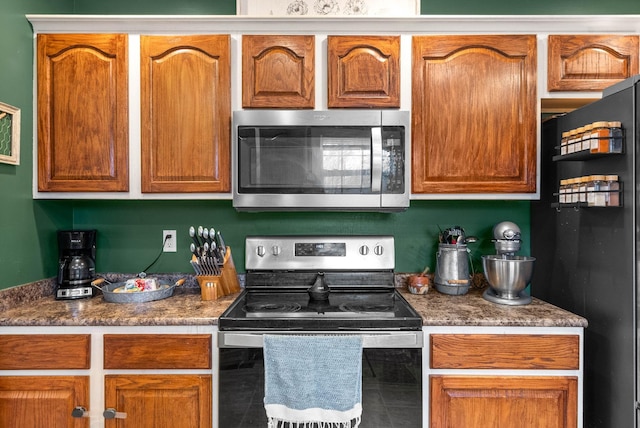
[{"x": 452, "y": 269}]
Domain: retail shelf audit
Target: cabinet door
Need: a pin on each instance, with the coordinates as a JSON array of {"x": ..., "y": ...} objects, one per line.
[
  {"x": 82, "y": 119},
  {"x": 159, "y": 401},
  {"x": 504, "y": 401},
  {"x": 278, "y": 71},
  {"x": 590, "y": 62},
  {"x": 186, "y": 113},
  {"x": 474, "y": 114},
  {"x": 363, "y": 71},
  {"x": 43, "y": 401}
]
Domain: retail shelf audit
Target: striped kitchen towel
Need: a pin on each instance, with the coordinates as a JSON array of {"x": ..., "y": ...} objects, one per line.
[{"x": 313, "y": 381}]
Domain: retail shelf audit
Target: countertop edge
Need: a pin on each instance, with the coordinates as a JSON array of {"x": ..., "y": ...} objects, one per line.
[{"x": 34, "y": 305}]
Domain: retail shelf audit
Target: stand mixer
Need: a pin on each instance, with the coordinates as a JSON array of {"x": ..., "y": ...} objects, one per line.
[{"x": 507, "y": 274}]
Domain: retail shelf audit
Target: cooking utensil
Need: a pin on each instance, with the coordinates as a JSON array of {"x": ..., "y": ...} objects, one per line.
[{"x": 165, "y": 289}]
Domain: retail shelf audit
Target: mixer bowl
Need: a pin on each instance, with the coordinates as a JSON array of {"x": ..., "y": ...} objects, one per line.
[{"x": 508, "y": 275}]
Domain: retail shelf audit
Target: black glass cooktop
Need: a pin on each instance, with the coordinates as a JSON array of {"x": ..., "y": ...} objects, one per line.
[{"x": 343, "y": 310}]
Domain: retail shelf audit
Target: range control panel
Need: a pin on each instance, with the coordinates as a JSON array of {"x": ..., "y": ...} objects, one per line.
[{"x": 325, "y": 253}]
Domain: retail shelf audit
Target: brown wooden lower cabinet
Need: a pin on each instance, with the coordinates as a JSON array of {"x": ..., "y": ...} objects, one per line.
[
  {"x": 504, "y": 401},
  {"x": 159, "y": 401},
  {"x": 43, "y": 401}
]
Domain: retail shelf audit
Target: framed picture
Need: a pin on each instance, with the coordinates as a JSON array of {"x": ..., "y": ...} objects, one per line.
[
  {"x": 332, "y": 8},
  {"x": 9, "y": 134}
]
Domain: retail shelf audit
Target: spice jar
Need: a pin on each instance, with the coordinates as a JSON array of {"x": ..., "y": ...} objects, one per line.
[
  {"x": 564, "y": 143},
  {"x": 563, "y": 191},
  {"x": 574, "y": 191},
  {"x": 586, "y": 137},
  {"x": 595, "y": 196},
  {"x": 615, "y": 137},
  {"x": 582, "y": 189},
  {"x": 571, "y": 143},
  {"x": 613, "y": 194},
  {"x": 600, "y": 137}
]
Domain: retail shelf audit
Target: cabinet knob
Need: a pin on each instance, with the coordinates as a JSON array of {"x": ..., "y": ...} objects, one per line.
[
  {"x": 111, "y": 413},
  {"x": 79, "y": 412}
]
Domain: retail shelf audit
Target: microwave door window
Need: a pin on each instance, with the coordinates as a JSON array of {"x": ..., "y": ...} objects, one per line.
[
  {"x": 346, "y": 164},
  {"x": 302, "y": 159}
]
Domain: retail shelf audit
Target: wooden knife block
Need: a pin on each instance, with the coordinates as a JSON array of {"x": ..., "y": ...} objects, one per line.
[{"x": 213, "y": 287}]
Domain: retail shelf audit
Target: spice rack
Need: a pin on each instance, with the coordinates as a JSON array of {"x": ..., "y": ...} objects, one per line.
[
  {"x": 609, "y": 198},
  {"x": 592, "y": 141}
]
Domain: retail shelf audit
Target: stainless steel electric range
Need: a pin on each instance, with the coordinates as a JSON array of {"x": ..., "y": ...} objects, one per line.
[{"x": 324, "y": 285}]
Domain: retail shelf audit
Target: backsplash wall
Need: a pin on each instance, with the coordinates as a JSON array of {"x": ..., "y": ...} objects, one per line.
[{"x": 130, "y": 232}]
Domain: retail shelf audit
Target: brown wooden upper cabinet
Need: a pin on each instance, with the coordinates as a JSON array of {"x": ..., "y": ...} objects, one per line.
[
  {"x": 474, "y": 114},
  {"x": 185, "y": 113},
  {"x": 278, "y": 71},
  {"x": 363, "y": 71},
  {"x": 590, "y": 62},
  {"x": 83, "y": 123}
]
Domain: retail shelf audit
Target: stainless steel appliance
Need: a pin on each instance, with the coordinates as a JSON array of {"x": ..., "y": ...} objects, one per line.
[
  {"x": 507, "y": 273},
  {"x": 76, "y": 264},
  {"x": 587, "y": 256},
  {"x": 322, "y": 285},
  {"x": 354, "y": 160}
]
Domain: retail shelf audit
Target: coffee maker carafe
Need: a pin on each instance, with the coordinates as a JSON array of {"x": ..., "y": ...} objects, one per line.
[{"x": 76, "y": 263}]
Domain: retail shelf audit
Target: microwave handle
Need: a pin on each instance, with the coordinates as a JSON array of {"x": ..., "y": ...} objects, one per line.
[{"x": 376, "y": 159}]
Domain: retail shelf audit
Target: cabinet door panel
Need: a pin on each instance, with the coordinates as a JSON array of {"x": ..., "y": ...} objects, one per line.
[
  {"x": 186, "y": 113},
  {"x": 82, "y": 112},
  {"x": 278, "y": 71},
  {"x": 43, "y": 401},
  {"x": 159, "y": 401},
  {"x": 474, "y": 114},
  {"x": 590, "y": 62},
  {"x": 363, "y": 71},
  {"x": 531, "y": 402}
]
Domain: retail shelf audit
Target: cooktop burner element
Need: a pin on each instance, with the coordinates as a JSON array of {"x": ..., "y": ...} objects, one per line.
[
  {"x": 270, "y": 308},
  {"x": 358, "y": 271}
]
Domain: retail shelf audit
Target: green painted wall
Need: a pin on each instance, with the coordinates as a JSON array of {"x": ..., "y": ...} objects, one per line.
[
  {"x": 453, "y": 7},
  {"x": 530, "y": 7},
  {"x": 130, "y": 231},
  {"x": 25, "y": 226}
]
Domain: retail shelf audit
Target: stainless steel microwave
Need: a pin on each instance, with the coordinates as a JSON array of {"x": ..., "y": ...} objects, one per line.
[{"x": 337, "y": 160}]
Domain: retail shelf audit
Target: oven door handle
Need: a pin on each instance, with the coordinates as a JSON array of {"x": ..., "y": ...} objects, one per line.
[
  {"x": 376, "y": 159},
  {"x": 412, "y": 339}
]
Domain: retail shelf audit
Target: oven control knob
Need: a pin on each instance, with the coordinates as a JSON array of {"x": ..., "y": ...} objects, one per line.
[
  {"x": 260, "y": 251},
  {"x": 275, "y": 250},
  {"x": 364, "y": 250},
  {"x": 378, "y": 250}
]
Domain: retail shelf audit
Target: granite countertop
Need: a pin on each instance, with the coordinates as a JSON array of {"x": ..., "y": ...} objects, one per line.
[
  {"x": 472, "y": 309},
  {"x": 34, "y": 305}
]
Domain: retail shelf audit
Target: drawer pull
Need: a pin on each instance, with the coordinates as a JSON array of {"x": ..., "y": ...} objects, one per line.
[
  {"x": 79, "y": 412},
  {"x": 111, "y": 413}
]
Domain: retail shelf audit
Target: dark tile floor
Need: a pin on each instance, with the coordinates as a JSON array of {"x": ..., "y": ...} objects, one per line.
[{"x": 391, "y": 391}]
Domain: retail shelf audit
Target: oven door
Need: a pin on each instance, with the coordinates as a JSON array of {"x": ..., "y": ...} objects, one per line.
[{"x": 391, "y": 384}]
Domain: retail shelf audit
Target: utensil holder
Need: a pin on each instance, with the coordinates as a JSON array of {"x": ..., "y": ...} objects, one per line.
[
  {"x": 210, "y": 287},
  {"x": 230, "y": 283}
]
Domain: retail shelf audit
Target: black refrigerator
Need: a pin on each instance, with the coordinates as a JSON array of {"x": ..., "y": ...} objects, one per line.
[{"x": 587, "y": 256}]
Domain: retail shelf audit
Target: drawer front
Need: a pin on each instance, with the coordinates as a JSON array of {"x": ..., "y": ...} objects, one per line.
[
  {"x": 157, "y": 351},
  {"x": 45, "y": 351},
  {"x": 505, "y": 351}
]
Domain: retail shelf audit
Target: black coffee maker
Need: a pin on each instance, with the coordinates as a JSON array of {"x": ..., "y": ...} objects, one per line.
[{"x": 76, "y": 263}]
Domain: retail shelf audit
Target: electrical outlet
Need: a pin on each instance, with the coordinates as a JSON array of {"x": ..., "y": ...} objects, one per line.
[{"x": 169, "y": 243}]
